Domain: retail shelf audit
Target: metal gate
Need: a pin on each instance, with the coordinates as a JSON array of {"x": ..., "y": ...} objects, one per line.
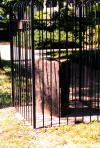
[{"x": 55, "y": 52}]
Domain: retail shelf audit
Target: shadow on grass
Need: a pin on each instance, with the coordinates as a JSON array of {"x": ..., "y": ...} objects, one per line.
[
  {"x": 5, "y": 100},
  {"x": 5, "y": 84},
  {"x": 5, "y": 64}
]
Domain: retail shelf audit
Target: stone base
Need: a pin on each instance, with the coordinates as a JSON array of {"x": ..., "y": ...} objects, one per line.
[{"x": 52, "y": 86}]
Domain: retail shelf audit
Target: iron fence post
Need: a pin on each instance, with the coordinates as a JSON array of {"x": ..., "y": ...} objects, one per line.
[
  {"x": 33, "y": 64},
  {"x": 11, "y": 55},
  {"x": 19, "y": 51},
  {"x": 80, "y": 51}
]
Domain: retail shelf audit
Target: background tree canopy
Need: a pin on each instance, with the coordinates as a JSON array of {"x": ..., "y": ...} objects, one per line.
[{"x": 5, "y": 6}]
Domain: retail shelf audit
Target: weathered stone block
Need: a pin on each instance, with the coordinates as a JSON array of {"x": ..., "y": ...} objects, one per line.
[{"x": 52, "y": 86}]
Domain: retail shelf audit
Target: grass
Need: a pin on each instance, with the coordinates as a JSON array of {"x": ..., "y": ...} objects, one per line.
[
  {"x": 5, "y": 83},
  {"x": 15, "y": 133},
  {"x": 81, "y": 133}
]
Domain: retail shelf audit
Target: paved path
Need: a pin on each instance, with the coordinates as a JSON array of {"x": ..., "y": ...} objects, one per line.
[{"x": 5, "y": 50}]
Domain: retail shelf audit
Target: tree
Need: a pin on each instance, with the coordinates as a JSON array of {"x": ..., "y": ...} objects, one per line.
[{"x": 6, "y": 5}]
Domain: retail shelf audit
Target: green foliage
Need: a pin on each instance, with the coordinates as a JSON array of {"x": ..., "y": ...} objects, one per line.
[
  {"x": 38, "y": 16},
  {"x": 41, "y": 14},
  {"x": 6, "y": 6},
  {"x": 4, "y": 17},
  {"x": 66, "y": 18}
]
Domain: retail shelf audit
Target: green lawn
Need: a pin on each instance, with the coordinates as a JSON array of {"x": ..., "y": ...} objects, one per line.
[{"x": 5, "y": 83}]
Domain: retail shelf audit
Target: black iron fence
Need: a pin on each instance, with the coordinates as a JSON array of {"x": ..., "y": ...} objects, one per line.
[{"x": 55, "y": 52}]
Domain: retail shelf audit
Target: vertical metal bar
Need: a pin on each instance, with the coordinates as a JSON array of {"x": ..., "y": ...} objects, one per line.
[
  {"x": 28, "y": 99},
  {"x": 89, "y": 48},
  {"x": 67, "y": 51},
  {"x": 19, "y": 50},
  {"x": 39, "y": 29},
  {"x": 18, "y": 91},
  {"x": 30, "y": 47},
  {"x": 92, "y": 66},
  {"x": 98, "y": 56},
  {"x": 40, "y": 52},
  {"x": 29, "y": 68},
  {"x": 21, "y": 62},
  {"x": 95, "y": 53},
  {"x": 53, "y": 34},
  {"x": 33, "y": 64},
  {"x": 42, "y": 69},
  {"x": 59, "y": 61},
  {"x": 28, "y": 58},
  {"x": 17, "y": 60},
  {"x": 86, "y": 61},
  {"x": 26, "y": 68},
  {"x": 14, "y": 53},
  {"x": 51, "y": 65},
  {"x": 22, "y": 58},
  {"x": 22, "y": 66},
  {"x": 80, "y": 51},
  {"x": 24, "y": 63},
  {"x": 11, "y": 55},
  {"x": 16, "y": 69},
  {"x": 83, "y": 61},
  {"x": 75, "y": 57},
  {"x": 72, "y": 71}
]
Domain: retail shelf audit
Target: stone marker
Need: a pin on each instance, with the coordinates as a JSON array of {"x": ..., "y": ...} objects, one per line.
[{"x": 52, "y": 86}]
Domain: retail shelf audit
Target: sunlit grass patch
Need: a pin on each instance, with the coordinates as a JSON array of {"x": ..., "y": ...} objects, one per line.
[
  {"x": 15, "y": 133},
  {"x": 81, "y": 134}
]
